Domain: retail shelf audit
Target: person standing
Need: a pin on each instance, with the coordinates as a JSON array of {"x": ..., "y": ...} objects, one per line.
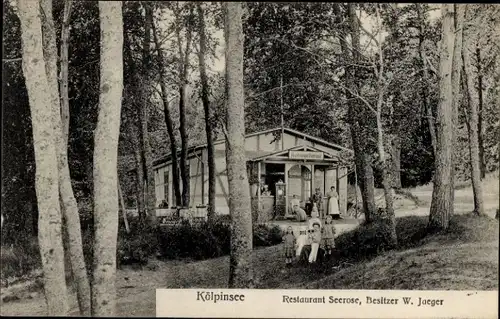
[
  {"x": 328, "y": 235},
  {"x": 317, "y": 198},
  {"x": 290, "y": 245},
  {"x": 333, "y": 202},
  {"x": 315, "y": 237}
]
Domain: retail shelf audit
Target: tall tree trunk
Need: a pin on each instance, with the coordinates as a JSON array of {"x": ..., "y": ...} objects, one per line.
[
  {"x": 183, "y": 72},
  {"x": 240, "y": 271},
  {"x": 456, "y": 84},
  {"x": 208, "y": 118},
  {"x": 124, "y": 209},
  {"x": 168, "y": 120},
  {"x": 442, "y": 202},
  {"x": 69, "y": 207},
  {"x": 105, "y": 160},
  {"x": 396, "y": 161},
  {"x": 473, "y": 119},
  {"x": 386, "y": 181},
  {"x": 139, "y": 162},
  {"x": 63, "y": 84},
  {"x": 362, "y": 157},
  {"x": 149, "y": 189},
  {"x": 44, "y": 140},
  {"x": 482, "y": 164},
  {"x": 425, "y": 96}
]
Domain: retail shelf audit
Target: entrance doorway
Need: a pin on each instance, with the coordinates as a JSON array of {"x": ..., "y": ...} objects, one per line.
[
  {"x": 299, "y": 182},
  {"x": 274, "y": 174}
]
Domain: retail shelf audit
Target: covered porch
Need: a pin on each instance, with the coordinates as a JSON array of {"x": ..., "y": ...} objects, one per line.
[{"x": 299, "y": 171}]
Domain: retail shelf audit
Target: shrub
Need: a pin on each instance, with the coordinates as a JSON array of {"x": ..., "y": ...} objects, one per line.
[
  {"x": 139, "y": 245},
  {"x": 366, "y": 240},
  {"x": 194, "y": 241},
  {"x": 19, "y": 260},
  {"x": 199, "y": 241},
  {"x": 264, "y": 235},
  {"x": 372, "y": 239}
]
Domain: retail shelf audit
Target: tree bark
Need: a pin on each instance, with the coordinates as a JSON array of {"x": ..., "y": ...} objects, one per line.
[
  {"x": 124, "y": 209},
  {"x": 183, "y": 72},
  {"x": 396, "y": 161},
  {"x": 168, "y": 120},
  {"x": 149, "y": 189},
  {"x": 69, "y": 207},
  {"x": 362, "y": 159},
  {"x": 139, "y": 161},
  {"x": 425, "y": 96},
  {"x": 482, "y": 164},
  {"x": 472, "y": 105},
  {"x": 63, "y": 84},
  {"x": 442, "y": 200},
  {"x": 44, "y": 140},
  {"x": 208, "y": 118},
  {"x": 386, "y": 181},
  {"x": 105, "y": 160},
  {"x": 456, "y": 83},
  {"x": 240, "y": 271}
]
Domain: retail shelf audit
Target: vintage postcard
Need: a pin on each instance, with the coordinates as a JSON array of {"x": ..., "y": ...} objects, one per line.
[{"x": 250, "y": 159}]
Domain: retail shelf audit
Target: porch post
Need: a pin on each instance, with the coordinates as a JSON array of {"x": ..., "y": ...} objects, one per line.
[
  {"x": 287, "y": 167},
  {"x": 259, "y": 186}
]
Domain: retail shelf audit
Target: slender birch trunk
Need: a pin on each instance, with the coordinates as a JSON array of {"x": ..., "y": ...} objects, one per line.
[
  {"x": 362, "y": 158},
  {"x": 206, "y": 107},
  {"x": 105, "y": 160},
  {"x": 149, "y": 189},
  {"x": 63, "y": 83},
  {"x": 47, "y": 175},
  {"x": 168, "y": 120},
  {"x": 183, "y": 82},
  {"x": 240, "y": 270},
  {"x": 472, "y": 104},
  {"x": 456, "y": 83},
  {"x": 425, "y": 96},
  {"x": 69, "y": 207},
  {"x": 124, "y": 209}
]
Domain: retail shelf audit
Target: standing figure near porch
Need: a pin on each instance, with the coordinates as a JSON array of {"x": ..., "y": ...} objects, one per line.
[
  {"x": 290, "y": 245},
  {"x": 315, "y": 238},
  {"x": 317, "y": 198},
  {"x": 333, "y": 202},
  {"x": 328, "y": 235}
]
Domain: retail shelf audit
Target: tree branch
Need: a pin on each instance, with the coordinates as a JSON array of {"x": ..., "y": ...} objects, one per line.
[{"x": 12, "y": 60}]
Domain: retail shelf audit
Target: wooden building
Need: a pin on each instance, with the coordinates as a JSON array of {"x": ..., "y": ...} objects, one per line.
[{"x": 287, "y": 161}]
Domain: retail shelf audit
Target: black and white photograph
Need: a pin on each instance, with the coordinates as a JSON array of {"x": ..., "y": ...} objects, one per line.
[{"x": 270, "y": 146}]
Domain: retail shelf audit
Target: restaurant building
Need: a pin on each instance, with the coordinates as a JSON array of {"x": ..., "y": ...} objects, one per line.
[{"x": 281, "y": 163}]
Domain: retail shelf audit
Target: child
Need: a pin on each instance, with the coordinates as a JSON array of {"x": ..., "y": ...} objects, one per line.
[
  {"x": 301, "y": 240},
  {"x": 328, "y": 232},
  {"x": 290, "y": 244},
  {"x": 315, "y": 237},
  {"x": 314, "y": 218}
]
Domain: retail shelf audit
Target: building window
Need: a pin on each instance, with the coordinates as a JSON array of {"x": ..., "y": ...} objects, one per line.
[{"x": 162, "y": 185}]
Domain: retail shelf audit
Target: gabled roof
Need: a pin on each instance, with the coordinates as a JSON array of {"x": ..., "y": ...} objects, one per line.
[{"x": 165, "y": 158}]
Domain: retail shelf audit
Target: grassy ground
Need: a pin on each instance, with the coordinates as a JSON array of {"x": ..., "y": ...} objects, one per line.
[{"x": 464, "y": 257}]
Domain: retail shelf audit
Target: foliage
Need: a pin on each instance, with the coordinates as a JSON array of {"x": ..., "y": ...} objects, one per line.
[
  {"x": 138, "y": 246},
  {"x": 264, "y": 235},
  {"x": 374, "y": 238},
  {"x": 200, "y": 241}
]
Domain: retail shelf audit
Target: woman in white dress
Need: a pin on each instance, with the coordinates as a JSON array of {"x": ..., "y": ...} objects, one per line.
[{"x": 333, "y": 202}]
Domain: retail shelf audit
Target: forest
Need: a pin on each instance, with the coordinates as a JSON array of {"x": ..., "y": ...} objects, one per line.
[{"x": 95, "y": 92}]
